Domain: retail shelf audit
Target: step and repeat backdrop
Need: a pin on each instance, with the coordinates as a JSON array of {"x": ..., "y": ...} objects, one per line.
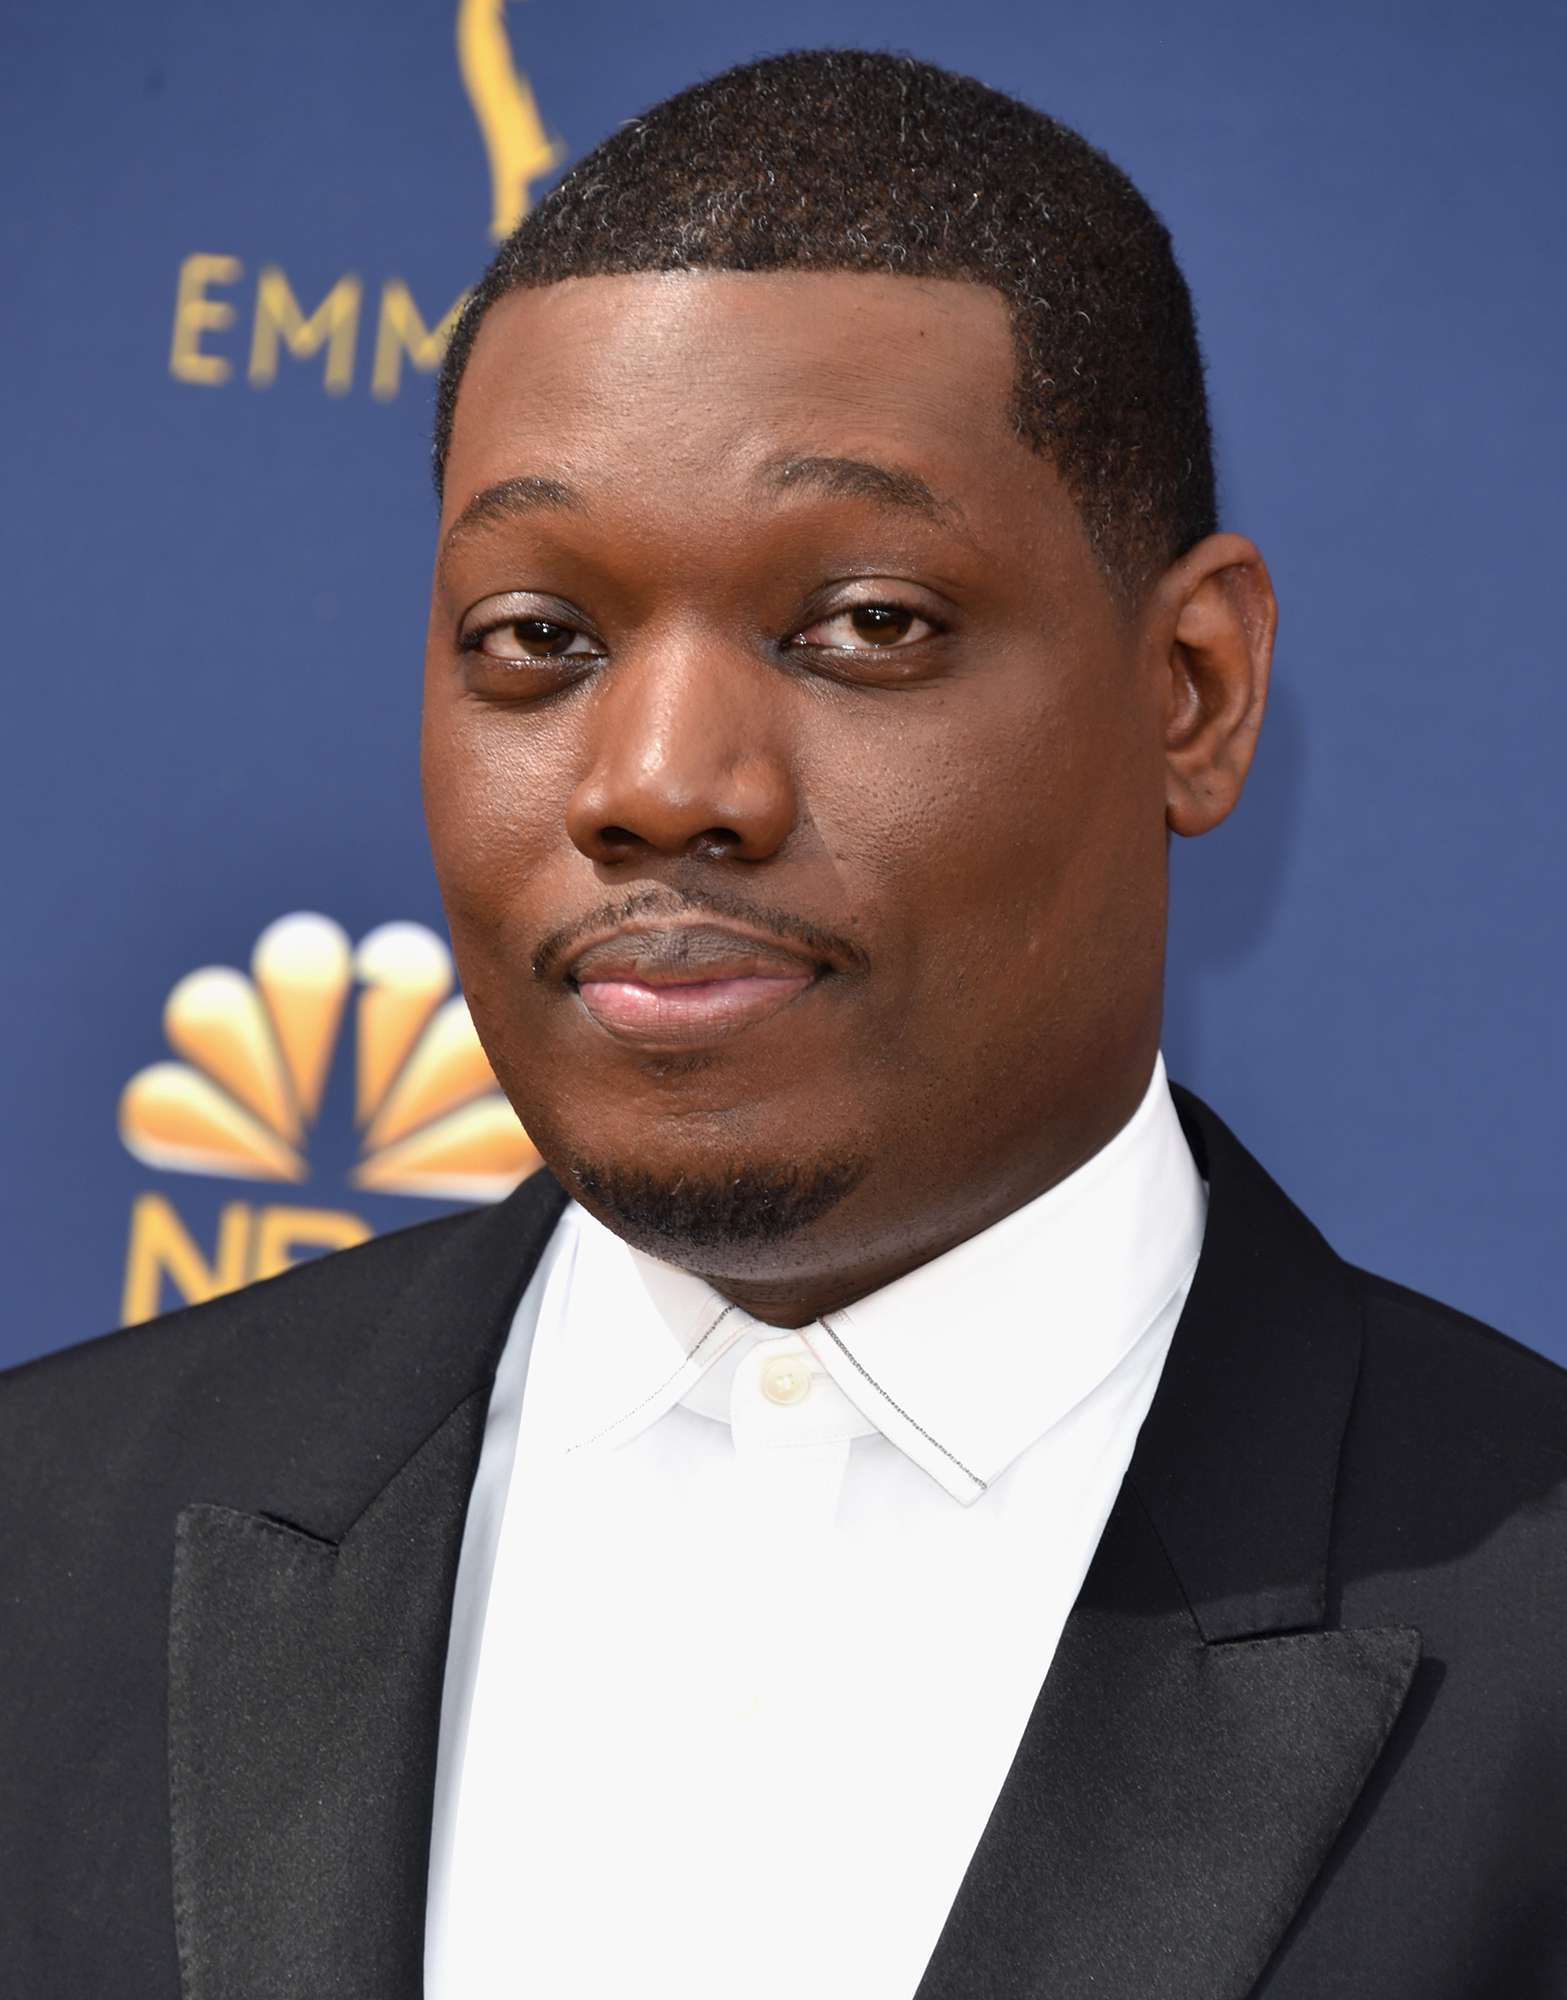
[{"x": 233, "y": 244}]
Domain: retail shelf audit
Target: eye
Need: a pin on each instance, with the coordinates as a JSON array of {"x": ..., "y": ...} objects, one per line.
[
  {"x": 862, "y": 628},
  {"x": 529, "y": 639}
]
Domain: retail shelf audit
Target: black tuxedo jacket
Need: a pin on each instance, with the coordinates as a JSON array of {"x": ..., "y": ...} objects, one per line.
[{"x": 1303, "y": 1736}]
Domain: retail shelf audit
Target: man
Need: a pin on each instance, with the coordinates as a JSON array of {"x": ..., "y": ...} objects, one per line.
[{"x": 906, "y": 1505}]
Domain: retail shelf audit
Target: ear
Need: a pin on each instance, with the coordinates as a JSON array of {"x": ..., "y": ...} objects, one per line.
[{"x": 1212, "y": 617}]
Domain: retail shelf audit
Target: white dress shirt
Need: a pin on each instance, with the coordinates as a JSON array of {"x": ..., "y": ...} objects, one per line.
[{"x": 748, "y": 1623}]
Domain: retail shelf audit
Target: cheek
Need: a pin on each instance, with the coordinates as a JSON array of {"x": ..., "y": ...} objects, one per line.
[
  {"x": 1012, "y": 839},
  {"x": 940, "y": 799},
  {"x": 487, "y": 831},
  {"x": 491, "y": 804}
]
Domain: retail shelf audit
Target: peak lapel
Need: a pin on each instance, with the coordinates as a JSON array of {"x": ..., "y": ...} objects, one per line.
[
  {"x": 1200, "y": 1739},
  {"x": 307, "y": 1646},
  {"x": 304, "y": 1698},
  {"x": 1171, "y": 1801}
]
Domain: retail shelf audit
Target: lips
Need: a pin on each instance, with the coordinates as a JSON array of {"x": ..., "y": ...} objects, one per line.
[{"x": 687, "y": 986}]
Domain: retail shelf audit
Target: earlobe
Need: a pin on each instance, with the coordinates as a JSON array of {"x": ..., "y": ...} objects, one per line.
[{"x": 1214, "y": 622}]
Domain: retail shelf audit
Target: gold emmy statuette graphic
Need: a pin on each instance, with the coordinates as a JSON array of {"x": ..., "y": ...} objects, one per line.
[
  {"x": 520, "y": 150},
  {"x": 256, "y": 1053},
  {"x": 236, "y": 320}
]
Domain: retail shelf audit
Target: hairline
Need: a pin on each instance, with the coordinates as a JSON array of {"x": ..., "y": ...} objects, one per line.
[{"x": 1127, "y": 590}]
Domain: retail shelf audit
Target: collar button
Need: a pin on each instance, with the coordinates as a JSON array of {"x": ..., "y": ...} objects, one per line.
[{"x": 786, "y": 1379}]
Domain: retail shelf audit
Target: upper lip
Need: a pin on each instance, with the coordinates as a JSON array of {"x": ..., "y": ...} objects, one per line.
[{"x": 668, "y": 952}]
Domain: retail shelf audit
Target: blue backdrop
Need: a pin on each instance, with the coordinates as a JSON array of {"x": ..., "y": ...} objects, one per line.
[{"x": 230, "y": 239}]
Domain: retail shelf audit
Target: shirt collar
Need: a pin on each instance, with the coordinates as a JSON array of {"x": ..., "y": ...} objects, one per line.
[{"x": 962, "y": 1363}]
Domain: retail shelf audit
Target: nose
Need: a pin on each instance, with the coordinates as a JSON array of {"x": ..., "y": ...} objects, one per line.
[{"x": 685, "y": 759}]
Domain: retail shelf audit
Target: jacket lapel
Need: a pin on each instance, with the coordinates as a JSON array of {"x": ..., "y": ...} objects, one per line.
[
  {"x": 307, "y": 1647},
  {"x": 1197, "y": 1746},
  {"x": 1171, "y": 1801},
  {"x": 1203, "y": 1733}
]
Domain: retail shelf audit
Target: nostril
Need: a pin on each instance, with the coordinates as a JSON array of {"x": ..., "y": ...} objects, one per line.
[
  {"x": 618, "y": 836},
  {"x": 714, "y": 842}
]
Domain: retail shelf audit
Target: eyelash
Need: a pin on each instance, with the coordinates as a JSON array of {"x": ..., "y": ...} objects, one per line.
[{"x": 473, "y": 642}]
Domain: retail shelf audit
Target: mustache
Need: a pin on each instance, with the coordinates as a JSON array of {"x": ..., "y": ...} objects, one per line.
[{"x": 661, "y": 902}]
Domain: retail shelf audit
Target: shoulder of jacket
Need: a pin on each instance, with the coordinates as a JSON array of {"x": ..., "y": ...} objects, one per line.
[
  {"x": 356, "y": 1280},
  {"x": 1453, "y": 1375}
]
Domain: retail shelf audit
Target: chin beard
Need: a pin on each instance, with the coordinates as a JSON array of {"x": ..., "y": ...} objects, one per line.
[{"x": 741, "y": 1209}]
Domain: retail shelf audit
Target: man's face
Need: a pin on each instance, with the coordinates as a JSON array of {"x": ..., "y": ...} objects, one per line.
[{"x": 797, "y": 787}]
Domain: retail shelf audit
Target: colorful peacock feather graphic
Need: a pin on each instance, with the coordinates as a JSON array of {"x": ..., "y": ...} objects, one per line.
[{"x": 256, "y": 1049}]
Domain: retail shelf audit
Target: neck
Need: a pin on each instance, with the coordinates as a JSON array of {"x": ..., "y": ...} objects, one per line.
[{"x": 889, "y": 1252}]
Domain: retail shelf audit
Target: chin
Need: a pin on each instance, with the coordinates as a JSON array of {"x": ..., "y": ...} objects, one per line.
[{"x": 703, "y": 1211}]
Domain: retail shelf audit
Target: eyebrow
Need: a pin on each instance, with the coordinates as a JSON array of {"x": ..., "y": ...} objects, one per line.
[
  {"x": 511, "y": 497},
  {"x": 859, "y": 479},
  {"x": 838, "y": 478}
]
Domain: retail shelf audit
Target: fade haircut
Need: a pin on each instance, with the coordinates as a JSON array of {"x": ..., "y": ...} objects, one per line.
[{"x": 847, "y": 160}]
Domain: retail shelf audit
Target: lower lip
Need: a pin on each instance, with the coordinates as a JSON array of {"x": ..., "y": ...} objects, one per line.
[{"x": 686, "y": 1016}]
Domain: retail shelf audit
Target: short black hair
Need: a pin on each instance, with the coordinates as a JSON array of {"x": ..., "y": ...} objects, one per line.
[{"x": 849, "y": 160}]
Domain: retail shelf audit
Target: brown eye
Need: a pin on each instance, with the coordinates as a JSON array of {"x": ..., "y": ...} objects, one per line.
[
  {"x": 881, "y": 624},
  {"x": 532, "y": 639},
  {"x": 864, "y": 627}
]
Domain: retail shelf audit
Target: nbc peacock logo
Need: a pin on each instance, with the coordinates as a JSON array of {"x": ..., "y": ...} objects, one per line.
[{"x": 244, "y": 1099}]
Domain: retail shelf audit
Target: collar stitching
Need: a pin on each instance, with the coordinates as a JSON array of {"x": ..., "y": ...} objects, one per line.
[
  {"x": 654, "y": 1394},
  {"x": 828, "y": 1328}
]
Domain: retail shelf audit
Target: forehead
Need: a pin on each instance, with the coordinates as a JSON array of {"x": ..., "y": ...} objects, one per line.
[{"x": 671, "y": 375}]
